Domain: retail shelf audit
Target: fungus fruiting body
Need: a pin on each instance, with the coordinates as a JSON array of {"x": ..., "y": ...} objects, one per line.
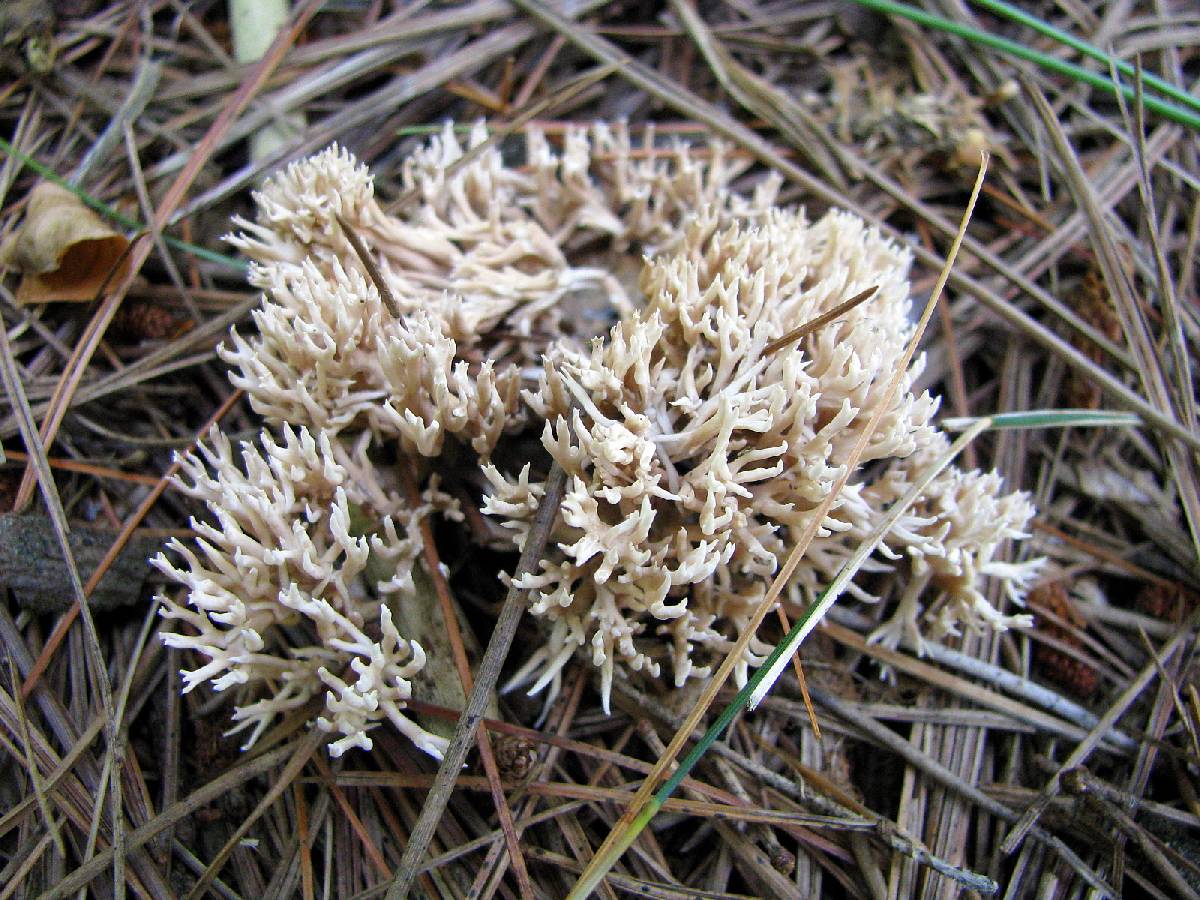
[
  {"x": 276, "y": 602},
  {"x": 694, "y": 457},
  {"x": 695, "y": 452},
  {"x": 280, "y": 605}
]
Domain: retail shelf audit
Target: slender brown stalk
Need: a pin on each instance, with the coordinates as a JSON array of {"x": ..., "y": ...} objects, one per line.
[
  {"x": 485, "y": 683},
  {"x": 487, "y": 756},
  {"x": 820, "y": 321}
]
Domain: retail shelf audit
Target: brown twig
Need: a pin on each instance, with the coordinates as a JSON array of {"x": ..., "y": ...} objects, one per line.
[
  {"x": 485, "y": 683},
  {"x": 368, "y": 263},
  {"x": 818, "y": 322},
  {"x": 487, "y": 756},
  {"x": 433, "y": 566}
]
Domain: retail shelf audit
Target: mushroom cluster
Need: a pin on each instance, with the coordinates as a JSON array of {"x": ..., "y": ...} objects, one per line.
[
  {"x": 277, "y": 601},
  {"x": 281, "y": 598},
  {"x": 694, "y": 454}
]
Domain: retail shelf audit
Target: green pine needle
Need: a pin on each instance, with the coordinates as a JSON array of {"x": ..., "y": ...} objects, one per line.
[
  {"x": 1049, "y": 418},
  {"x": 1008, "y": 11},
  {"x": 1180, "y": 114}
]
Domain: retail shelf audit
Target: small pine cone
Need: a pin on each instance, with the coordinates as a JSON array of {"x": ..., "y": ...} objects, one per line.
[
  {"x": 212, "y": 748},
  {"x": 1079, "y": 393},
  {"x": 1066, "y": 671},
  {"x": 145, "y": 320},
  {"x": 515, "y": 757},
  {"x": 783, "y": 860},
  {"x": 1162, "y": 601},
  {"x": 1095, "y": 306},
  {"x": 1059, "y": 666},
  {"x": 1053, "y": 596}
]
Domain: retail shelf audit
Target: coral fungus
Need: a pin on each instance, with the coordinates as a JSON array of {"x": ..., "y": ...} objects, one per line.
[
  {"x": 275, "y": 600},
  {"x": 695, "y": 452},
  {"x": 694, "y": 457}
]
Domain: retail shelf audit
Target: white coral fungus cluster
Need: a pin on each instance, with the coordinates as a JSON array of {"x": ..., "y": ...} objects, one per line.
[
  {"x": 328, "y": 353},
  {"x": 277, "y": 604},
  {"x": 487, "y": 244},
  {"x": 694, "y": 458},
  {"x": 480, "y": 264}
]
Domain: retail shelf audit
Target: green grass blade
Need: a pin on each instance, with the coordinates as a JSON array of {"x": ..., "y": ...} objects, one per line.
[
  {"x": 589, "y": 882},
  {"x": 1049, "y": 418},
  {"x": 1170, "y": 111},
  {"x": 769, "y": 673},
  {"x": 1008, "y": 11},
  {"x": 113, "y": 215}
]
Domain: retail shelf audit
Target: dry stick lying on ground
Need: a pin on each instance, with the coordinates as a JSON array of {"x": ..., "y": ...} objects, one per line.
[
  {"x": 96, "y": 667},
  {"x": 492, "y": 869},
  {"x": 80, "y": 607},
  {"x": 487, "y": 755},
  {"x": 510, "y": 615},
  {"x": 130, "y": 526},
  {"x": 489, "y": 672},
  {"x": 88, "y": 343}
]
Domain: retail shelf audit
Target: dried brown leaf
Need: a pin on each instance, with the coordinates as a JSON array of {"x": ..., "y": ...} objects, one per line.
[{"x": 63, "y": 249}]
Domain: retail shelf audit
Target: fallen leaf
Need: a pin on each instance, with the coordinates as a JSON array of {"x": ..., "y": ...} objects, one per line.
[{"x": 63, "y": 249}]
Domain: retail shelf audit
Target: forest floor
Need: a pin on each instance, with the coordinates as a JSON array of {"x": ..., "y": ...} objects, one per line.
[{"x": 1060, "y": 760}]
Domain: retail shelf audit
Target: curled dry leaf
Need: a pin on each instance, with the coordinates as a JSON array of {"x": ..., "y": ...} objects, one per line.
[{"x": 63, "y": 250}]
